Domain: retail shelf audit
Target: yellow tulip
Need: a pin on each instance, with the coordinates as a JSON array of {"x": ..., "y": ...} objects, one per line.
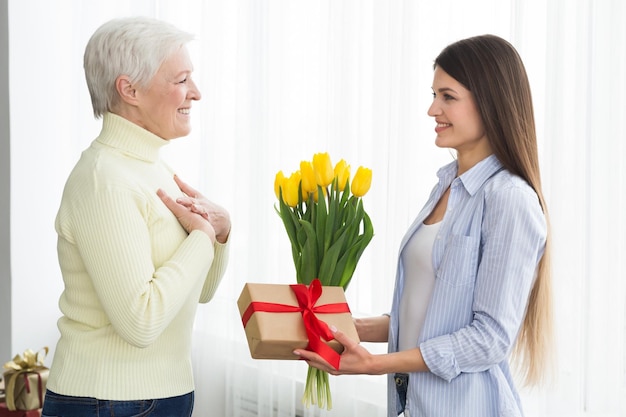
[
  {"x": 327, "y": 236},
  {"x": 323, "y": 169},
  {"x": 279, "y": 182},
  {"x": 342, "y": 173},
  {"x": 361, "y": 182},
  {"x": 316, "y": 195},
  {"x": 291, "y": 188},
  {"x": 308, "y": 179}
]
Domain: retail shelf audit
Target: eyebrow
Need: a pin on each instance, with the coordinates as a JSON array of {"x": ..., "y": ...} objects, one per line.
[
  {"x": 445, "y": 90},
  {"x": 179, "y": 74}
]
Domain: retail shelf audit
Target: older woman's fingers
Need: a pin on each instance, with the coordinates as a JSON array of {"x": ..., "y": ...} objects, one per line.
[{"x": 186, "y": 188}]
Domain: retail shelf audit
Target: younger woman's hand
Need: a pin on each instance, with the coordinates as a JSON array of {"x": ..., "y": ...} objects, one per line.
[{"x": 355, "y": 359}]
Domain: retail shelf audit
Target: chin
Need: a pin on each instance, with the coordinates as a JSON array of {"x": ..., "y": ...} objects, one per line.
[
  {"x": 181, "y": 133},
  {"x": 440, "y": 143}
]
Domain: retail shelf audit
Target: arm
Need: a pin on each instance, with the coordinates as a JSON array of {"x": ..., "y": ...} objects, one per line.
[
  {"x": 194, "y": 205},
  {"x": 141, "y": 283},
  {"x": 214, "y": 277},
  {"x": 355, "y": 359},
  {"x": 514, "y": 234},
  {"x": 372, "y": 329},
  {"x": 512, "y": 240}
]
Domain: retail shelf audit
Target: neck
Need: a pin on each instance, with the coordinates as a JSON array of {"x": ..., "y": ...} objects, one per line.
[{"x": 467, "y": 159}]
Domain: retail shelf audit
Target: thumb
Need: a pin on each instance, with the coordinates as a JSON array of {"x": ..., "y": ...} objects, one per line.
[
  {"x": 169, "y": 202},
  {"x": 342, "y": 338}
]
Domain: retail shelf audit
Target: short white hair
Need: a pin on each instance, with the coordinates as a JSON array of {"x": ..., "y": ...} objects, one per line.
[{"x": 136, "y": 47}]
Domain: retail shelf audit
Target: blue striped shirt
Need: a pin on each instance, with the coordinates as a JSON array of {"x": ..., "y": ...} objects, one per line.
[{"x": 485, "y": 258}]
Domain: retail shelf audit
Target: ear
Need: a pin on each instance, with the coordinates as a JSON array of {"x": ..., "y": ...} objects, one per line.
[{"x": 126, "y": 90}]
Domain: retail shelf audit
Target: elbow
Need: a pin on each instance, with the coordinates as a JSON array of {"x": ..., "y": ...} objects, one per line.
[
  {"x": 481, "y": 345},
  {"x": 139, "y": 340},
  {"x": 138, "y": 336},
  {"x": 492, "y": 343},
  {"x": 205, "y": 298}
]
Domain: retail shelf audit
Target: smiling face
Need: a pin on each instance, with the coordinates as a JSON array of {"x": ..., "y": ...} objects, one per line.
[
  {"x": 163, "y": 107},
  {"x": 459, "y": 125}
]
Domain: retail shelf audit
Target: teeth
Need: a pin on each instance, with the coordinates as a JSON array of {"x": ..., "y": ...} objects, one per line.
[
  {"x": 183, "y": 111},
  {"x": 443, "y": 124}
]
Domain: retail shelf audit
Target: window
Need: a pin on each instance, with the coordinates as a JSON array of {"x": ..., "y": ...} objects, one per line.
[{"x": 282, "y": 80}]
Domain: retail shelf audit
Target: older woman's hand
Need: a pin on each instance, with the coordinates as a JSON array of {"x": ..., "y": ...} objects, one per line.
[
  {"x": 187, "y": 218},
  {"x": 215, "y": 214}
]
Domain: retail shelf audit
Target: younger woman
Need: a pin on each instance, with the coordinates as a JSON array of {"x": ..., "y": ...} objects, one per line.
[{"x": 472, "y": 282}]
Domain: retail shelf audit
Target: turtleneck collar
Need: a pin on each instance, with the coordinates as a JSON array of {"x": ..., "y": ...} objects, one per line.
[{"x": 130, "y": 138}]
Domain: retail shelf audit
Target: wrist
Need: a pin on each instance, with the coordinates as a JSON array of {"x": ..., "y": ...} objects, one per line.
[
  {"x": 223, "y": 237},
  {"x": 376, "y": 366}
]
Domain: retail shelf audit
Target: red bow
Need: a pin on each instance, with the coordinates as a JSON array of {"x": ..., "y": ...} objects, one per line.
[{"x": 315, "y": 328}]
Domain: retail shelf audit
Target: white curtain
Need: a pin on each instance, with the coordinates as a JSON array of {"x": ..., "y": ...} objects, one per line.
[{"x": 283, "y": 79}]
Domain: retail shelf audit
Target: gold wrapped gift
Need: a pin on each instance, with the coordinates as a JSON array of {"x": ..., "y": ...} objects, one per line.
[{"x": 25, "y": 380}]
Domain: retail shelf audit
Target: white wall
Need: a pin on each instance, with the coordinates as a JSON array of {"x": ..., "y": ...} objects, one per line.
[
  {"x": 5, "y": 176},
  {"x": 37, "y": 135}
]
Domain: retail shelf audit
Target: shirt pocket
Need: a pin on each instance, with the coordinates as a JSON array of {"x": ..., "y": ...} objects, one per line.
[{"x": 460, "y": 260}]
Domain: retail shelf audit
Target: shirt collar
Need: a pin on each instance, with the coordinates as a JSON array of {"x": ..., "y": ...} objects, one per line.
[
  {"x": 130, "y": 138},
  {"x": 475, "y": 177}
]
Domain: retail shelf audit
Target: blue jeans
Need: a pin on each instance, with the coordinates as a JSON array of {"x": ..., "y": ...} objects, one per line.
[
  {"x": 402, "y": 384},
  {"x": 56, "y": 405}
]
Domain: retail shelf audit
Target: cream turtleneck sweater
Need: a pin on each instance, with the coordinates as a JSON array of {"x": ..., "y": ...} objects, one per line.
[{"x": 132, "y": 274}]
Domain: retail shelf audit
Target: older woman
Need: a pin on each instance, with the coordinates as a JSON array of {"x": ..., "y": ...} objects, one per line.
[{"x": 135, "y": 261}]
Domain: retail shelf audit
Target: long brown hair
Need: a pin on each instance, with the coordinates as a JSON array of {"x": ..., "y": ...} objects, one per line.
[{"x": 493, "y": 71}]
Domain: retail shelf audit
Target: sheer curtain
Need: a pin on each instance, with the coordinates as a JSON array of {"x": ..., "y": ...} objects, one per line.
[{"x": 283, "y": 79}]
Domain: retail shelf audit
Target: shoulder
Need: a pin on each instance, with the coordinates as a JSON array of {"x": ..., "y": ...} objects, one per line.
[
  {"x": 506, "y": 187},
  {"x": 102, "y": 179},
  {"x": 101, "y": 168},
  {"x": 510, "y": 199}
]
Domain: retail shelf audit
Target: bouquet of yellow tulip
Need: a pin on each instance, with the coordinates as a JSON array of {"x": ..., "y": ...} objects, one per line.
[{"x": 323, "y": 214}]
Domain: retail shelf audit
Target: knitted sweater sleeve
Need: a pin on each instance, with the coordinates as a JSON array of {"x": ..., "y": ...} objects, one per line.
[
  {"x": 143, "y": 267},
  {"x": 216, "y": 272}
]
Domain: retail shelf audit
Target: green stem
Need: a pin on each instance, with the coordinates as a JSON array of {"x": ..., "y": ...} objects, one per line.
[{"x": 317, "y": 389}]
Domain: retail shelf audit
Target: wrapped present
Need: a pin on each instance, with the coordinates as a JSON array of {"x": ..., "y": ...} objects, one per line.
[
  {"x": 25, "y": 381},
  {"x": 5, "y": 412},
  {"x": 280, "y": 318}
]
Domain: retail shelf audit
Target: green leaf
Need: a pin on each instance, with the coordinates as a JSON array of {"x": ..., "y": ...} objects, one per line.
[
  {"x": 292, "y": 225},
  {"x": 309, "y": 261},
  {"x": 356, "y": 250},
  {"x": 332, "y": 218},
  {"x": 320, "y": 223},
  {"x": 329, "y": 263},
  {"x": 287, "y": 216},
  {"x": 326, "y": 237}
]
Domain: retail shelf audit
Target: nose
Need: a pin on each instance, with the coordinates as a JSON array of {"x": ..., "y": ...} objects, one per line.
[
  {"x": 194, "y": 92},
  {"x": 434, "y": 109}
]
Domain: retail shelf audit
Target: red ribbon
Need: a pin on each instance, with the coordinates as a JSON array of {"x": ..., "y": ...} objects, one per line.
[
  {"x": 39, "y": 385},
  {"x": 315, "y": 328}
]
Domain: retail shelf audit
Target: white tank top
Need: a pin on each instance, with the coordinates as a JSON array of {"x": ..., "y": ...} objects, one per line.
[{"x": 419, "y": 280}]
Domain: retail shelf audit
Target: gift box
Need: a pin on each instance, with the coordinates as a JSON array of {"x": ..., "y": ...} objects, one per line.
[
  {"x": 5, "y": 412},
  {"x": 280, "y": 318},
  {"x": 25, "y": 381},
  {"x": 25, "y": 389}
]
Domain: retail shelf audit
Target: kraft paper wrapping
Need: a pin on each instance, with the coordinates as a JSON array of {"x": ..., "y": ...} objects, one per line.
[
  {"x": 25, "y": 381},
  {"x": 274, "y": 335}
]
